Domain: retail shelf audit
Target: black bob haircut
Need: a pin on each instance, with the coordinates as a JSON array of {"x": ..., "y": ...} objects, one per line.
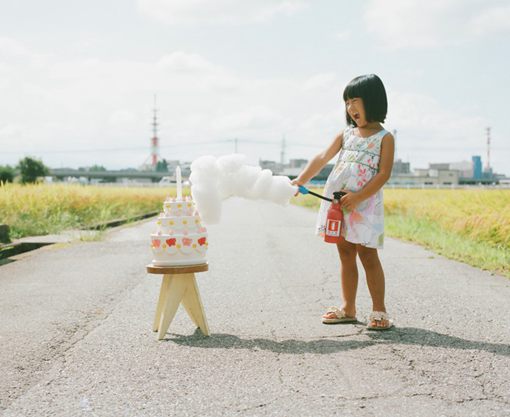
[{"x": 371, "y": 89}]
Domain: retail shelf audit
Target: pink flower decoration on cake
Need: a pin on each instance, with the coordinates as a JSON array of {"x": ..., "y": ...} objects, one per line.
[
  {"x": 186, "y": 241},
  {"x": 156, "y": 243}
]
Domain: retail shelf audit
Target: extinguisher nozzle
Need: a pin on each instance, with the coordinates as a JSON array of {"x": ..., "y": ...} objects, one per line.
[{"x": 303, "y": 190}]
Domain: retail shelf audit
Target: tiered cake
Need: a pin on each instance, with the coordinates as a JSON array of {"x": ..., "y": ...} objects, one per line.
[{"x": 180, "y": 238}]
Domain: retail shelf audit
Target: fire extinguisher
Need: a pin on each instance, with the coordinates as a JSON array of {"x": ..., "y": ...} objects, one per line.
[
  {"x": 334, "y": 216},
  {"x": 334, "y": 219}
]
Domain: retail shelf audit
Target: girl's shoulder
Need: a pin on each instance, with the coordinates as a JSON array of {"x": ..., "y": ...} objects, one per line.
[
  {"x": 348, "y": 129},
  {"x": 348, "y": 132}
]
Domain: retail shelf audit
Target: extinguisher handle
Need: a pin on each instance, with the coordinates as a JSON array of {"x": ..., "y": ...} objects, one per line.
[{"x": 304, "y": 190}]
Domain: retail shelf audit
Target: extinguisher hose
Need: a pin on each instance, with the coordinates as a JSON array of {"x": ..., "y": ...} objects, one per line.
[{"x": 304, "y": 190}]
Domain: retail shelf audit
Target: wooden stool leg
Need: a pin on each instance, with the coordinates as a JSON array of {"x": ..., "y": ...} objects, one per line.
[
  {"x": 188, "y": 295},
  {"x": 161, "y": 302},
  {"x": 174, "y": 293},
  {"x": 193, "y": 303}
]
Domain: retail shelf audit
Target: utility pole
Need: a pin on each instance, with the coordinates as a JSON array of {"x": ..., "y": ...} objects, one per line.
[
  {"x": 488, "y": 166},
  {"x": 282, "y": 152}
]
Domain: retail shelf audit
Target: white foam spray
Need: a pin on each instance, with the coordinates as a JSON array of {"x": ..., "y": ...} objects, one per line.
[{"x": 216, "y": 179}]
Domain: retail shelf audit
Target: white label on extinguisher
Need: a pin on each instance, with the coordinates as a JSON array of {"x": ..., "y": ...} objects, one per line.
[{"x": 333, "y": 228}]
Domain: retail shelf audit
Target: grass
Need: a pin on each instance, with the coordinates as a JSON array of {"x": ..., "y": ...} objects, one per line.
[
  {"x": 40, "y": 209},
  {"x": 469, "y": 225}
]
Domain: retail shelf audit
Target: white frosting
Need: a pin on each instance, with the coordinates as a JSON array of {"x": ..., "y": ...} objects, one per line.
[{"x": 180, "y": 237}]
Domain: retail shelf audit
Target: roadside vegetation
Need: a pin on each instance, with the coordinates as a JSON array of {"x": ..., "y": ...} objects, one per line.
[
  {"x": 469, "y": 225},
  {"x": 40, "y": 209}
]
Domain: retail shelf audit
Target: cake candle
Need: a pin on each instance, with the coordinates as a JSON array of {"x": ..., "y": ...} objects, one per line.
[{"x": 178, "y": 179}]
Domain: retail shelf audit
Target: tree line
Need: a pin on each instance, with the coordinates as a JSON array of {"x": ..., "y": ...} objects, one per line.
[{"x": 28, "y": 169}]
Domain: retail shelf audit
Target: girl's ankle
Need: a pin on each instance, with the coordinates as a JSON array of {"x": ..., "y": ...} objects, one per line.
[{"x": 351, "y": 311}]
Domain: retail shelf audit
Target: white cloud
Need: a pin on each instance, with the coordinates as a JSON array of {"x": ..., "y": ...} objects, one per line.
[
  {"x": 122, "y": 118},
  {"x": 431, "y": 130},
  {"x": 10, "y": 132},
  {"x": 493, "y": 20},
  {"x": 12, "y": 47},
  {"x": 415, "y": 23},
  {"x": 322, "y": 81},
  {"x": 57, "y": 104},
  {"x": 218, "y": 11},
  {"x": 186, "y": 63},
  {"x": 343, "y": 36}
]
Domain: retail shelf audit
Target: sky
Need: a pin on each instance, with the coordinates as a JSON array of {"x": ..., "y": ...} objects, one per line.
[{"x": 78, "y": 79}]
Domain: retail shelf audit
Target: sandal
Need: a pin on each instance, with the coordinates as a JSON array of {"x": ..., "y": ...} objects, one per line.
[
  {"x": 379, "y": 316},
  {"x": 336, "y": 315}
]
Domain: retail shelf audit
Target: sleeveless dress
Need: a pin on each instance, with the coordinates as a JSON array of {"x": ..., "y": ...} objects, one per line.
[{"x": 358, "y": 162}]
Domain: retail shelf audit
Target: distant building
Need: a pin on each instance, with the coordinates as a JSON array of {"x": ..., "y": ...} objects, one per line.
[
  {"x": 477, "y": 167},
  {"x": 435, "y": 174},
  {"x": 440, "y": 166},
  {"x": 401, "y": 167},
  {"x": 297, "y": 163},
  {"x": 274, "y": 166},
  {"x": 321, "y": 177},
  {"x": 465, "y": 168},
  {"x": 172, "y": 164}
]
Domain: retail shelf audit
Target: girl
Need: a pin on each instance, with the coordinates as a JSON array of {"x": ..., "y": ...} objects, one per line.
[{"x": 364, "y": 164}]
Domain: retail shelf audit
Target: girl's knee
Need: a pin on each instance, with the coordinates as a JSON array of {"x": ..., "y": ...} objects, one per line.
[
  {"x": 346, "y": 250},
  {"x": 368, "y": 256}
]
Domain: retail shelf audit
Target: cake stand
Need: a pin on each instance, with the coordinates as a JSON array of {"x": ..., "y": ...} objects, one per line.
[{"x": 178, "y": 285}]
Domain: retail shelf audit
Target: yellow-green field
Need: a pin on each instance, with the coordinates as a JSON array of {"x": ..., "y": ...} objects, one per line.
[
  {"x": 40, "y": 209},
  {"x": 470, "y": 225}
]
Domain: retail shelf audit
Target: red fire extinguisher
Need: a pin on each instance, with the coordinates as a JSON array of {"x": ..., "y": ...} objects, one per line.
[{"x": 334, "y": 219}]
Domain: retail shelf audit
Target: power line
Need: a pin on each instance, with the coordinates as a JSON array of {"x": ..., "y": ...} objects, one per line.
[{"x": 236, "y": 142}]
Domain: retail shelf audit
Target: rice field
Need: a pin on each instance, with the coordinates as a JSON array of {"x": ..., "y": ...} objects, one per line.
[
  {"x": 40, "y": 209},
  {"x": 470, "y": 225}
]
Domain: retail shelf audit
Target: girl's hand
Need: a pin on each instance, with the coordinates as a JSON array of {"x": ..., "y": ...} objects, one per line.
[
  {"x": 350, "y": 201},
  {"x": 296, "y": 182}
]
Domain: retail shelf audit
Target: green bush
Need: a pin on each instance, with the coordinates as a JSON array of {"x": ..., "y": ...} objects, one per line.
[
  {"x": 6, "y": 173},
  {"x": 31, "y": 169}
]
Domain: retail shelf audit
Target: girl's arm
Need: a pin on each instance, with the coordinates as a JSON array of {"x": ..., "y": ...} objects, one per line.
[
  {"x": 317, "y": 163},
  {"x": 351, "y": 200}
]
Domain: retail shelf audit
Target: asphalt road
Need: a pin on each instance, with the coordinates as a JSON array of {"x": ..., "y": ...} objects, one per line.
[{"x": 76, "y": 339}]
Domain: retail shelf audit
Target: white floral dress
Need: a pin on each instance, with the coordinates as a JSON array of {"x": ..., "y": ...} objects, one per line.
[{"x": 358, "y": 162}]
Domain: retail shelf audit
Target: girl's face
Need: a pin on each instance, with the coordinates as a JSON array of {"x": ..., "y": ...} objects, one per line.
[{"x": 356, "y": 110}]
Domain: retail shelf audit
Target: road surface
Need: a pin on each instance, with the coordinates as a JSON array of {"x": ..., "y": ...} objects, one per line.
[{"x": 76, "y": 337}]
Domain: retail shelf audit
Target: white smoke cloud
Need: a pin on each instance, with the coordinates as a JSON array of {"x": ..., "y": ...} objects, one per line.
[{"x": 216, "y": 179}]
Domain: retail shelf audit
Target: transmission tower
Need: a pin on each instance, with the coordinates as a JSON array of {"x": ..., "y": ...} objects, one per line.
[
  {"x": 154, "y": 139},
  {"x": 488, "y": 166}
]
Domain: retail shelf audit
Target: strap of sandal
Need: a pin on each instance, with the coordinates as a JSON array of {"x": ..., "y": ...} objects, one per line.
[
  {"x": 378, "y": 316},
  {"x": 336, "y": 311}
]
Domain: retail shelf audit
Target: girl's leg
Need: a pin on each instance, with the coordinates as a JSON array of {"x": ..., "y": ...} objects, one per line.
[
  {"x": 349, "y": 274},
  {"x": 375, "y": 280}
]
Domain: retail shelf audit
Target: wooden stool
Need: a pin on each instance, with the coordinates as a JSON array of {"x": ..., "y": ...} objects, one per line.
[{"x": 178, "y": 284}]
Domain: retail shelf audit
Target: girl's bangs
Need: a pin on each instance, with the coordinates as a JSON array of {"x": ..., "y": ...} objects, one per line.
[{"x": 353, "y": 90}]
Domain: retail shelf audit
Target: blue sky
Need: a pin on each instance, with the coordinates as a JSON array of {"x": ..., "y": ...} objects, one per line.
[{"x": 77, "y": 78}]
